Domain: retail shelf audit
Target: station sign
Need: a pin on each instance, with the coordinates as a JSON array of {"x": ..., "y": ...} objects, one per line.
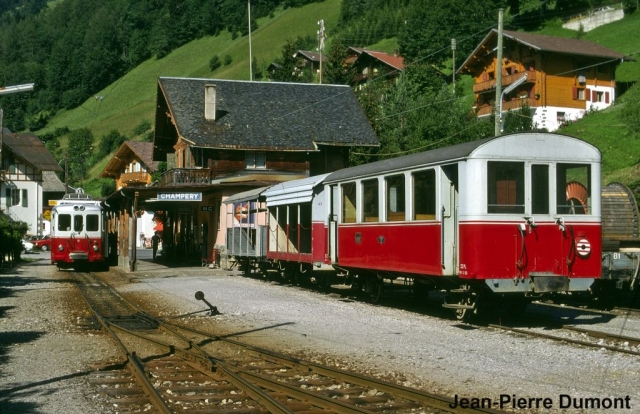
[{"x": 179, "y": 196}]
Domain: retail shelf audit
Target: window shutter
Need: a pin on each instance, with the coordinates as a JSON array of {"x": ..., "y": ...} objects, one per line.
[
  {"x": 485, "y": 76},
  {"x": 606, "y": 97},
  {"x": 7, "y": 196},
  {"x": 587, "y": 95},
  {"x": 25, "y": 197},
  {"x": 575, "y": 93}
]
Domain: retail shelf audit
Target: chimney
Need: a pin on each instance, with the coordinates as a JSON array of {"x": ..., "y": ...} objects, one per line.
[{"x": 210, "y": 102}]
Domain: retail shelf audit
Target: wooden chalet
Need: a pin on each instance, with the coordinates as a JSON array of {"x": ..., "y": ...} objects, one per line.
[
  {"x": 371, "y": 64},
  {"x": 131, "y": 165},
  {"x": 222, "y": 137},
  {"x": 559, "y": 79},
  {"x": 24, "y": 161},
  {"x": 310, "y": 60}
]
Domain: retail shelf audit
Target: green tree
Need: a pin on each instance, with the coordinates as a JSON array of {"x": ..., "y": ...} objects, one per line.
[
  {"x": 80, "y": 141},
  {"x": 335, "y": 70}
]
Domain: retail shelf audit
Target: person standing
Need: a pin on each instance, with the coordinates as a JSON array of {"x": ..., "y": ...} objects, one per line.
[{"x": 155, "y": 239}]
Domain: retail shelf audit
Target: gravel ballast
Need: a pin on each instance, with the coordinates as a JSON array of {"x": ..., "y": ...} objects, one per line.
[{"x": 47, "y": 353}]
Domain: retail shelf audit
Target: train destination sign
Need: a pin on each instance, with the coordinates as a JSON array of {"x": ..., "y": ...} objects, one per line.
[{"x": 179, "y": 196}]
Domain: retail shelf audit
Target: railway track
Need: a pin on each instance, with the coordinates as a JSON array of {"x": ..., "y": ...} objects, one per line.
[{"x": 169, "y": 367}]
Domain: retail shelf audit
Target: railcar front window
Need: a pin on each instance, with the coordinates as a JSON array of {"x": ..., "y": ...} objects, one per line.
[
  {"x": 395, "y": 198},
  {"x": 573, "y": 189},
  {"x": 348, "y": 203},
  {"x": 370, "y": 201},
  {"x": 64, "y": 222},
  {"x": 78, "y": 223},
  {"x": 93, "y": 222},
  {"x": 505, "y": 187},
  {"x": 424, "y": 195}
]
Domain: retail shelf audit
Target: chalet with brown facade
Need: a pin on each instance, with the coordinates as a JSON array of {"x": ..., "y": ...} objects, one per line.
[
  {"x": 222, "y": 137},
  {"x": 310, "y": 60},
  {"x": 558, "y": 79},
  {"x": 371, "y": 64},
  {"x": 131, "y": 165}
]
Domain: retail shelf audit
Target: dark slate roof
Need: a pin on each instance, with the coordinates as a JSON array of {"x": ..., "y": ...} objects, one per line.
[
  {"x": 267, "y": 115},
  {"x": 30, "y": 149}
]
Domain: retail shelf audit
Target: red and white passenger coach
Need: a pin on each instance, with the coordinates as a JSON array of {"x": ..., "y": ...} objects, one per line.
[
  {"x": 498, "y": 219},
  {"x": 78, "y": 236}
]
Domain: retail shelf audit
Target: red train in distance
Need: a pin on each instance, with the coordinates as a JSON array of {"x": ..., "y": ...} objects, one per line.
[
  {"x": 499, "y": 220},
  {"x": 78, "y": 236}
]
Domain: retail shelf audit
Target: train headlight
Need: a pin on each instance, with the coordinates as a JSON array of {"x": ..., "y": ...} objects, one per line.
[
  {"x": 96, "y": 248},
  {"x": 60, "y": 248}
]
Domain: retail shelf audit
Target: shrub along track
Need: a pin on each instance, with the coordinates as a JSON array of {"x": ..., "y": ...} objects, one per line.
[{"x": 189, "y": 370}]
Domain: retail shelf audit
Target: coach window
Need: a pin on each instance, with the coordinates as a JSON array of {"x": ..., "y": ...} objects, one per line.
[
  {"x": 78, "y": 223},
  {"x": 573, "y": 189},
  {"x": 395, "y": 198},
  {"x": 505, "y": 187},
  {"x": 424, "y": 195},
  {"x": 93, "y": 222},
  {"x": 370, "y": 201},
  {"x": 64, "y": 222},
  {"x": 540, "y": 189},
  {"x": 348, "y": 203}
]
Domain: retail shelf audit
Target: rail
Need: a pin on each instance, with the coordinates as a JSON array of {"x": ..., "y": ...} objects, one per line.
[
  {"x": 506, "y": 81},
  {"x": 135, "y": 177},
  {"x": 508, "y": 106}
]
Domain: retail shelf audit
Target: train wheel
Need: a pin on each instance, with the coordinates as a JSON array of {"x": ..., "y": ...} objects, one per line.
[{"x": 466, "y": 304}]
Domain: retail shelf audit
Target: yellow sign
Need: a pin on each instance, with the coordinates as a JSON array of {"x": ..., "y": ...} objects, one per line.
[
  {"x": 53, "y": 202},
  {"x": 47, "y": 214}
]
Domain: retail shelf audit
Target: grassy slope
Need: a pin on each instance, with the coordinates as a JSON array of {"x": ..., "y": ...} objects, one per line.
[{"x": 131, "y": 99}]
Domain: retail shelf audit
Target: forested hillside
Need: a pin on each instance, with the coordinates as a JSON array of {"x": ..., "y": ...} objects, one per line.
[{"x": 78, "y": 52}]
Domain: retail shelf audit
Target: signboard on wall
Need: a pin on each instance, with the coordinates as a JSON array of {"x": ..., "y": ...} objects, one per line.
[{"x": 179, "y": 196}]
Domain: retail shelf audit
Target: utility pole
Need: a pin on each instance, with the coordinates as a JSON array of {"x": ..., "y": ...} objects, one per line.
[
  {"x": 250, "y": 57},
  {"x": 453, "y": 71},
  {"x": 498, "y": 108},
  {"x": 66, "y": 172},
  {"x": 321, "y": 37}
]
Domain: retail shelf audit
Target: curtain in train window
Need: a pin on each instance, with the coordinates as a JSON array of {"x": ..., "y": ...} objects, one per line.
[
  {"x": 93, "y": 222},
  {"x": 424, "y": 195},
  {"x": 573, "y": 190},
  {"x": 348, "y": 202},
  {"x": 370, "y": 201},
  {"x": 505, "y": 187},
  {"x": 395, "y": 198}
]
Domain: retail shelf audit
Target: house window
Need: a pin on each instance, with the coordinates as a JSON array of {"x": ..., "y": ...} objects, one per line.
[
  {"x": 579, "y": 94},
  {"x": 13, "y": 196},
  {"x": 255, "y": 159},
  {"x": 25, "y": 198},
  {"x": 561, "y": 117}
]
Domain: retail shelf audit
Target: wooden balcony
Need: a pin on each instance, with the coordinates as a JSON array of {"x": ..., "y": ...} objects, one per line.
[
  {"x": 506, "y": 81},
  {"x": 186, "y": 176},
  {"x": 508, "y": 106},
  {"x": 134, "y": 178}
]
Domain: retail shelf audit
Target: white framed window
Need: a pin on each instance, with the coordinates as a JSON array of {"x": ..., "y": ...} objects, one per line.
[
  {"x": 12, "y": 196},
  {"x": 255, "y": 159}
]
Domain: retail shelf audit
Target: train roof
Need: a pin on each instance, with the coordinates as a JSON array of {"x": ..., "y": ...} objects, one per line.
[
  {"x": 250, "y": 195},
  {"x": 558, "y": 147},
  {"x": 296, "y": 191}
]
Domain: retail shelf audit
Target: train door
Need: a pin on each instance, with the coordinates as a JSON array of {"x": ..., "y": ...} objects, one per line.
[
  {"x": 449, "y": 218},
  {"x": 334, "y": 195}
]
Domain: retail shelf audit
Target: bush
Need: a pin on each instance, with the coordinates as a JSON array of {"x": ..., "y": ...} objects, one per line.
[
  {"x": 214, "y": 63},
  {"x": 227, "y": 60}
]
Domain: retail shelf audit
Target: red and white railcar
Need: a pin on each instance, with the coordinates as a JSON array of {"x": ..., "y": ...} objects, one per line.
[
  {"x": 78, "y": 236},
  {"x": 512, "y": 214}
]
